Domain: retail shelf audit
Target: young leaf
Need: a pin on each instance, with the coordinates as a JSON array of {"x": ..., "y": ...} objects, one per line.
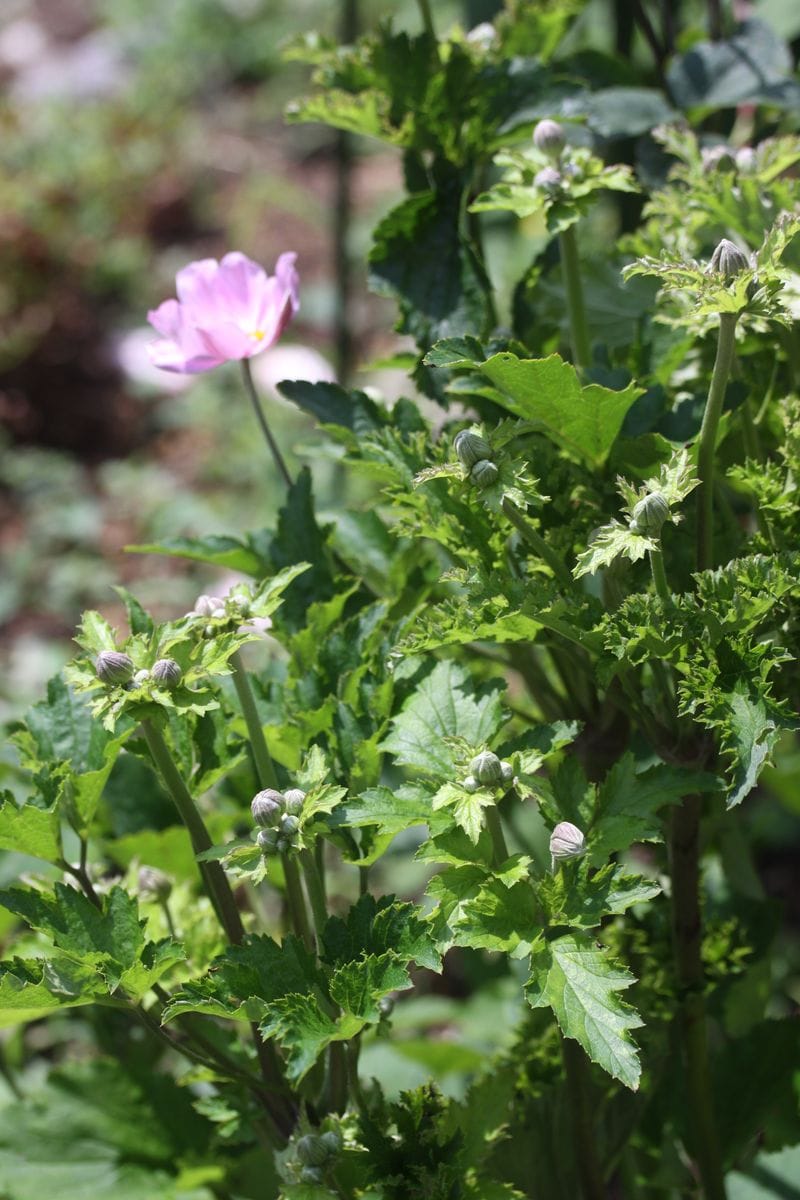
[{"x": 29, "y": 830}]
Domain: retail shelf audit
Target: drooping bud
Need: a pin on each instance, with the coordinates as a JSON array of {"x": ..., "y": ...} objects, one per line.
[
  {"x": 717, "y": 158},
  {"x": 487, "y": 768},
  {"x": 205, "y": 606},
  {"x": 154, "y": 884},
  {"x": 267, "y": 841},
  {"x": 167, "y": 673},
  {"x": 566, "y": 841},
  {"x": 267, "y": 807},
  {"x": 650, "y": 514},
  {"x": 293, "y": 800},
  {"x": 728, "y": 260},
  {"x": 548, "y": 179},
  {"x": 548, "y": 138},
  {"x": 113, "y": 666},
  {"x": 471, "y": 448},
  {"x": 484, "y": 473}
]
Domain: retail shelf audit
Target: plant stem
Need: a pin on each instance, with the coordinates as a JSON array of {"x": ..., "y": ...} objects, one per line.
[
  {"x": 684, "y": 860},
  {"x": 316, "y": 892},
  {"x": 296, "y": 901},
  {"x": 571, "y": 270},
  {"x": 214, "y": 877},
  {"x": 427, "y": 17},
  {"x": 495, "y": 826},
  {"x": 265, "y": 768},
  {"x": 342, "y": 220},
  {"x": 537, "y": 542},
  {"x": 250, "y": 388},
  {"x": 708, "y": 440},
  {"x": 660, "y": 576},
  {"x": 575, "y": 1070},
  {"x": 752, "y": 442},
  {"x": 8, "y": 1074}
]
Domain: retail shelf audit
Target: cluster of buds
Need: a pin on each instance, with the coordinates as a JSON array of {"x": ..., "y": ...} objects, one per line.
[
  {"x": 233, "y": 609},
  {"x": 725, "y": 160},
  {"x": 114, "y": 667},
  {"x": 649, "y": 514},
  {"x": 316, "y": 1153},
  {"x": 487, "y": 770},
  {"x": 277, "y": 815},
  {"x": 566, "y": 841},
  {"x": 475, "y": 455},
  {"x": 549, "y": 140}
]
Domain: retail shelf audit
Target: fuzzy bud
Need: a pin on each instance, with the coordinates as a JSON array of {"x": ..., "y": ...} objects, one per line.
[
  {"x": 650, "y": 514},
  {"x": 471, "y": 448},
  {"x": 386, "y": 1006},
  {"x": 283, "y": 844},
  {"x": 728, "y": 260},
  {"x": 566, "y": 841},
  {"x": 717, "y": 158},
  {"x": 312, "y": 1151},
  {"x": 167, "y": 673},
  {"x": 267, "y": 841},
  {"x": 548, "y": 138},
  {"x": 487, "y": 768},
  {"x": 332, "y": 1140},
  {"x": 548, "y": 179},
  {"x": 484, "y": 473},
  {"x": 154, "y": 884},
  {"x": 746, "y": 160},
  {"x": 289, "y": 825},
  {"x": 470, "y": 784},
  {"x": 267, "y": 807},
  {"x": 141, "y": 677},
  {"x": 312, "y": 1175},
  {"x": 293, "y": 800},
  {"x": 506, "y": 772},
  {"x": 205, "y": 606},
  {"x": 113, "y": 667}
]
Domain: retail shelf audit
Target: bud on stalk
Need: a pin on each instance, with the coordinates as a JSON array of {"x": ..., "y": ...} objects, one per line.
[
  {"x": 548, "y": 138},
  {"x": 113, "y": 667},
  {"x": 566, "y": 841}
]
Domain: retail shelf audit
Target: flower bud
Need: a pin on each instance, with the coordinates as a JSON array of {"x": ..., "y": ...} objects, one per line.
[
  {"x": 113, "y": 667},
  {"x": 242, "y": 603},
  {"x": 484, "y": 473},
  {"x": 312, "y": 1175},
  {"x": 746, "y": 160},
  {"x": 483, "y": 36},
  {"x": 717, "y": 158},
  {"x": 506, "y": 772},
  {"x": 471, "y": 448},
  {"x": 650, "y": 514},
  {"x": 566, "y": 841},
  {"x": 267, "y": 841},
  {"x": 548, "y": 138},
  {"x": 332, "y": 1140},
  {"x": 167, "y": 673},
  {"x": 289, "y": 825},
  {"x": 204, "y": 606},
  {"x": 470, "y": 784},
  {"x": 141, "y": 677},
  {"x": 283, "y": 844},
  {"x": 313, "y": 1150},
  {"x": 154, "y": 884},
  {"x": 548, "y": 179},
  {"x": 728, "y": 260},
  {"x": 386, "y": 1006},
  {"x": 267, "y": 807},
  {"x": 293, "y": 800},
  {"x": 487, "y": 768}
]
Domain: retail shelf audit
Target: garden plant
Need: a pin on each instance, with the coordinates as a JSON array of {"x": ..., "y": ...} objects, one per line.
[{"x": 491, "y": 730}]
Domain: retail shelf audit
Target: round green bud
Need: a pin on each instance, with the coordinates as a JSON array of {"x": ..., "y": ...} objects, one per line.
[
  {"x": 293, "y": 800},
  {"x": 487, "y": 768},
  {"x": 312, "y": 1175},
  {"x": 289, "y": 825},
  {"x": 566, "y": 841},
  {"x": 471, "y": 448},
  {"x": 386, "y": 1006},
  {"x": 154, "y": 884},
  {"x": 267, "y": 841},
  {"x": 283, "y": 844},
  {"x": 141, "y": 677},
  {"x": 113, "y": 667},
  {"x": 267, "y": 807},
  {"x": 650, "y": 514},
  {"x": 548, "y": 179},
  {"x": 484, "y": 473},
  {"x": 728, "y": 260},
  {"x": 548, "y": 138},
  {"x": 506, "y": 772},
  {"x": 332, "y": 1140},
  {"x": 470, "y": 784},
  {"x": 312, "y": 1151},
  {"x": 167, "y": 673}
]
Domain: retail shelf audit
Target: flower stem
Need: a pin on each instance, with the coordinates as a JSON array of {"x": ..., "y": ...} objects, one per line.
[
  {"x": 316, "y": 892},
  {"x": 536, "y": 542},
  {"x": 582, "y": 1119},
  {"x": 495, "y": 826},
  {"x": 214, "y": 877},
  {"x": 427, "y": 17},
  {"x": 684, "y": 861},
  {"x": 298, "y": 913},
  {"x": 265, "y": 768},
  {"x": 660, "y": 576},
  {"x": 571, "y": 270},
  {"x": 708, "y": 440},
  {"x": 250, "y": 388}
]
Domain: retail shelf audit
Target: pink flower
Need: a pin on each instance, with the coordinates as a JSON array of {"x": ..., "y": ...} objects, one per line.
[{"x": 225, "y": 310}]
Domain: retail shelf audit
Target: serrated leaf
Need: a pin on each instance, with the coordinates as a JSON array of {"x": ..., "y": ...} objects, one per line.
[
  {"x": 227, "y": 552},
  {"x": 578, "y": 980},
  {"x": 36, "y": 988},
  {"x": 390, "y": 810},
  {"x": 375, "y": 926},
  {"x": 29, "y": 830},
  {"x": 581, "y": 900},
  {"x": 611, "y": 542},
  {"x": 750, "y": 736}
]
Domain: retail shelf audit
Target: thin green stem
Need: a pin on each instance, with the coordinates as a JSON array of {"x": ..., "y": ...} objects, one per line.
[
  {"x": 427, "y": 17},
  {"x": 752, "y": 441},
  {"x": 537, "y": 542},
  {"x": 687, "y": 931},
  {"x": 168, "y": 918},
  {"x": 316, "y": 892},
  {"x": 214, "y": 877},
  {"x": 8, "y": 1074},
  {"x": 265, "y": 768},
  {"x": 250, "y": 388},
  {"x": 495, "y": 826},
  {"x": 582, "y": 1119},
  {"x": 660, "y": 576},
  {"x": 298, "y": 913},
  {"x": 708, "y": 440},
  {"x": 335, "y": 1091},
  {"x": 571, "y": 270}
]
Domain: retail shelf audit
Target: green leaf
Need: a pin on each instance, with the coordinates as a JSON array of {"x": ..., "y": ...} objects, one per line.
[
  {"x": 753, "y": 67},
  {"x": 750, "y": 736},
  {"x": 573, "y": 897},
  {"x": 335, "y": 405},
  {"x": 36, "y": 988},
  {"x": 227, "y": 552},
  {"x": 375, "y": 926},
  {"x": 576, "y": 978},
  {"x": 390, "y": 810},
  {"x": 29, "y": 830},
  {"x": 445, "y": 705}
]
